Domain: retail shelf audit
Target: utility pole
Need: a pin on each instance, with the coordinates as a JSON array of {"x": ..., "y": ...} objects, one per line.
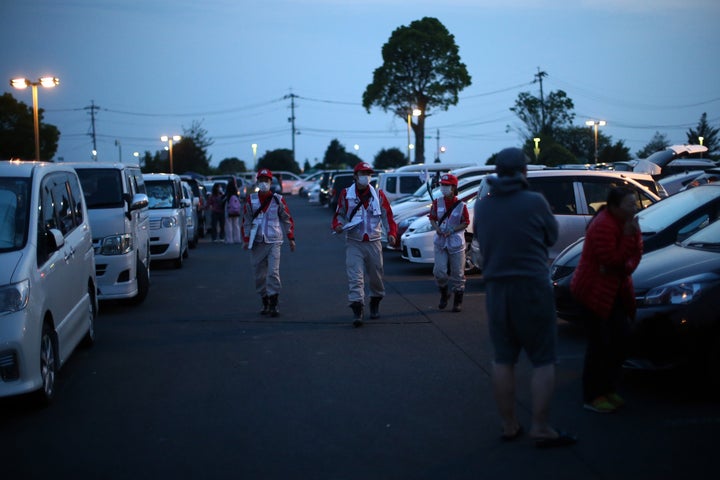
[
  {"x": 292, "y": 120},
  {"x": 92, "y": 109},
  {"x": 538, "y": 78},
  {"x": 437, "y": 146}
]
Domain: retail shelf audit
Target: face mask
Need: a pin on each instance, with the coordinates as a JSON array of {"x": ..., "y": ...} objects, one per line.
[
  {"x": 363, "y": 180},
  {"x": 264, "y": 186},
  {"x": 445, "y": 190}
]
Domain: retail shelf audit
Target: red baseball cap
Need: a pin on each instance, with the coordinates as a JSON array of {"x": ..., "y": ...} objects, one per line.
[
  {"x": 363, "y": 167},
  {"x": 264, "y": 172},
  {"x": 448, "y": 179}
]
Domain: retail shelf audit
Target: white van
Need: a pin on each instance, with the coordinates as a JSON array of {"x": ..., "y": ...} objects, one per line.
[
  {"x": 48, "y": 295},
  {"x": 168, "y": 221},
  {"x": 118, "y": 207}
]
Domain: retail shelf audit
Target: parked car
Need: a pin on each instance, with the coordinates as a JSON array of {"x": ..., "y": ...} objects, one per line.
[
  {"x": 676, "y": 182},
  {"x": 711, "y": 175},
  {"x": 117, "y": 205},
  {"x": 677, "y": 288},
  {"x": 168, "y": 220},
  {"x": 48, "y": 293},
  {"x": 406, "y": 213},
  {"x": 314, "y": 194},
  {"x": 396, "y": 184},
  {"x": 339, "y": 182},
  {"x": 671, "y": 220},
  {"x": 286, "y": 180},
  {"x": 198, "y": 190},
  {"x": 301, "y": 187},
  {"x": 674, "y": 159},
  {"x": 191, "y": 215}
]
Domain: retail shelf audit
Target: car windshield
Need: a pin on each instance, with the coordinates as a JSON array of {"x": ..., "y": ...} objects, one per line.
[
  {"x": 706, "y": 239},
  {"x": 14, "y": 209},
  {"x": 658, "y": 216},
  {"x": 161, "y": 194},
  {"x": 102, "y": 187}
]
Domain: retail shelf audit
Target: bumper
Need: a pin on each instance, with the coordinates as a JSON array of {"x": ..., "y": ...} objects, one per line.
[
  {"x": 116, "y": 276},
  {"x": 19, "y": 353}
]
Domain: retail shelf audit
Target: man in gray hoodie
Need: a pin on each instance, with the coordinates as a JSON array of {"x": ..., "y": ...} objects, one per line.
[{"x": 514, "y": 227}]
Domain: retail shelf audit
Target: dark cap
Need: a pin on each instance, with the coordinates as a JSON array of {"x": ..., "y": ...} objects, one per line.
[{"x": 510, "y": 161}]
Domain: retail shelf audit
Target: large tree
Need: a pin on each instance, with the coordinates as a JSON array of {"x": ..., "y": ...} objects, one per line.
[
  {"x": 658, "y": 142},
  {"x": 17, "y": 131},
  {"x": 279, "y": 159},
  {"x": 543, "y": 117},
  {"x": 709, "y": 137},
  {"x": 390, "y": 158},
  {"x": 421, "y": 70}
]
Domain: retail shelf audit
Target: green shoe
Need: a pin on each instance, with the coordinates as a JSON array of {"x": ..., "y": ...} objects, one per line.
[
  {"x": 615, "y": 399},
  {"x": 600, "y": 405}
]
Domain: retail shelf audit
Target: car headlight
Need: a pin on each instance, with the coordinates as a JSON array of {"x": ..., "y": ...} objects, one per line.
[
  {"x": 424, "y": 228},
  {"x": 14, "y": 298},
  {"x": 678, "y": 293},
  {"x": 169, "y": 222},
  {"x": 404, "y": 224},
  {"x": 116, "y": 245}
]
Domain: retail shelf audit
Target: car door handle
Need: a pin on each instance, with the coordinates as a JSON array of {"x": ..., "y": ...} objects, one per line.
[{"x": 70, "y": 254}]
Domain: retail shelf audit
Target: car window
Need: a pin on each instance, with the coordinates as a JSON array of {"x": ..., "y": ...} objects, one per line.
[
  {"x": 596, "y": 192},
  {"x": 14, "y": 210},
  {"x": 708, "y": 237},
  {"x": 391, "y": 184},
  {"x": 102, "y": 187},
  {"x": 559, "y": 193},
  {"x": 161, "y": 194},
  {"x": 409, "y": 184}
]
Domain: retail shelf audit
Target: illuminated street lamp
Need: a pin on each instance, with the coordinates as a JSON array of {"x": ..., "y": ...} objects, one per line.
[
  {"x": 701, "y": 139},
  {"x": 254, "y": 149},
  {"x": 536, "y": 150},
  {"x": 169, "y": 141},
  {"x": 416, "y": 112},
  {"x": 22, "y": 83},
  {"x": 596, "y": 124}
]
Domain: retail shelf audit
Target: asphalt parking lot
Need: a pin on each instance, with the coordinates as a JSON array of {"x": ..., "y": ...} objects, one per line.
[{"x": 194, "y": 383}]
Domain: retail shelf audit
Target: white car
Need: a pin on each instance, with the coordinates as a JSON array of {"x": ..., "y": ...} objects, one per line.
[
  {"x": 168, "y": 220},
  {"x": 193, "y": 232},
  {"x": 48, "y": 294},
  {"x": 302, "y": 186}
]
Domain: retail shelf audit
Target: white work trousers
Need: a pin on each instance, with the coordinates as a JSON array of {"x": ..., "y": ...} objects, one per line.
[
  {"x": 265, "y": 259},
  {"x": 455, "y": 262},
  {"x": 364, "y": 259}
]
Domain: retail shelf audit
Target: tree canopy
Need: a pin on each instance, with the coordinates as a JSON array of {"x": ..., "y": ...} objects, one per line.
[
  {"x": 280, "y": 159},
  {"x": 709, "y": 137},
  {"x": 17, "y": 131},
  {"x": 421, "y": 70}
]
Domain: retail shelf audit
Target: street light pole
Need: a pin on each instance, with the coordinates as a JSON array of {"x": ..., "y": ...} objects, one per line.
[
  {"x": 596, "y": 123},
  {"x": 254, "y": 149},
  {"x": 701, "y": 139},
  {"x": 169, "y": 140},
  {"x": 22, "y": 83},
  {"x": 414, "y": 113},
  {"x": 117, "y": 143}
]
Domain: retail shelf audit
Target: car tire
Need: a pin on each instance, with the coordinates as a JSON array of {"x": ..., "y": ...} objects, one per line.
[
  {"x": 48, "y": 366},
  {"x": 142, "y": 276},
  {"x": 89, "y": 338}
]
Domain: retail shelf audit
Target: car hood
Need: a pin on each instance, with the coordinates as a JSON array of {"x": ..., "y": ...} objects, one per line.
[
  {"x": 106, "y": 221},
  {"x": 8, "y": 265},
  {"x": 673, "y": 263}
]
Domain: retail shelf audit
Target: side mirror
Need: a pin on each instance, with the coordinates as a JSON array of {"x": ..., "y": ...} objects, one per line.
[
  {"x": 185, "y": 202},
  {"x": 54, "y": 239},
  {"x": 139, "y": 200}
]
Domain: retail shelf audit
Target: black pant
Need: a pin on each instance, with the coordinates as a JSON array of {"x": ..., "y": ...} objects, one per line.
[{"x": 607, "y": 341}]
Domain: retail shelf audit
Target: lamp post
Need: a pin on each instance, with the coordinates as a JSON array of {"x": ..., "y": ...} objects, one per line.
[
  {"x": 701, "y": 139},
  {"x": 169, "y": 141},
  {"x": 536, "y": 150},
  {"x": 596, "y": 124},
  {"x": 416, "y": 112},
  {"x": 117, "y": 144},
  {"x": 22, "y": 83},
  {"x": 254, "y": 149}
]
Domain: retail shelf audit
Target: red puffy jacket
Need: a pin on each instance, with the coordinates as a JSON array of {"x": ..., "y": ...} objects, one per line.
[{"x": 605, "y": 270}]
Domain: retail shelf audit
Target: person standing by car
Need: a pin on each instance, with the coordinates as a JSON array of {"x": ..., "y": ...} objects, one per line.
[
  {"x": 362, "y": 213},
  {"x": 515, "y": 227},
  {"x": 602, "y": 283},
  {"x": 216, "y": 204},
  {"x": 449, "y": 218},
  {"x": 233, "y": 211},
  {"x": 266, "y": 221}
]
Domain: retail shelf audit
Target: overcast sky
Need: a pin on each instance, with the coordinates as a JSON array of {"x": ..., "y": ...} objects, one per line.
[{"x": 152, "y": 67}]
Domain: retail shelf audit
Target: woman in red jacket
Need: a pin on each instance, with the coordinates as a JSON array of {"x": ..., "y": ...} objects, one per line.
[{"x": 603, "y": 284}]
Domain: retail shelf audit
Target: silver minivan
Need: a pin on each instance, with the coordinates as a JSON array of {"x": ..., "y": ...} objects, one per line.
[
  {"x": 48, "y": 294},
  {"x": 168, "y": 220},
  {"x": 118, "y": 208}
]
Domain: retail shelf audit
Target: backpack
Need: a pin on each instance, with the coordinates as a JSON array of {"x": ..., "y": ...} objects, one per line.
[{"x": 233, "y": 208}]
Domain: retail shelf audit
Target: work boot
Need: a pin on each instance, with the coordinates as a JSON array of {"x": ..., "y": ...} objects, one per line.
[
  {"x": 444, "y": 296},
  {"x": 273, "y": 305},
  {"x": 357, "y": 308},
  {"x": 457, "y": 302},
  {"x": 375, "y": 307},
  {"x": 266, "y": 305}
]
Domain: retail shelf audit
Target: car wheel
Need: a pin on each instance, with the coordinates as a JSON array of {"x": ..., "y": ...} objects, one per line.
[
  {"x": 48, "y": 366},
  {"x": 142, "y": 274},
  {"x": 89, "y": 338},
  {"x": 178, "y": 262}
]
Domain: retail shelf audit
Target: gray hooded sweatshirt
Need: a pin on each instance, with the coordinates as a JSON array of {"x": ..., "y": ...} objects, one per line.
[{"x": 514, "y": 227}]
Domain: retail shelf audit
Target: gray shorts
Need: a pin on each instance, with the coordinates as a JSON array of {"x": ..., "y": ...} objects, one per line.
[{"x": 521, "y": 313}]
